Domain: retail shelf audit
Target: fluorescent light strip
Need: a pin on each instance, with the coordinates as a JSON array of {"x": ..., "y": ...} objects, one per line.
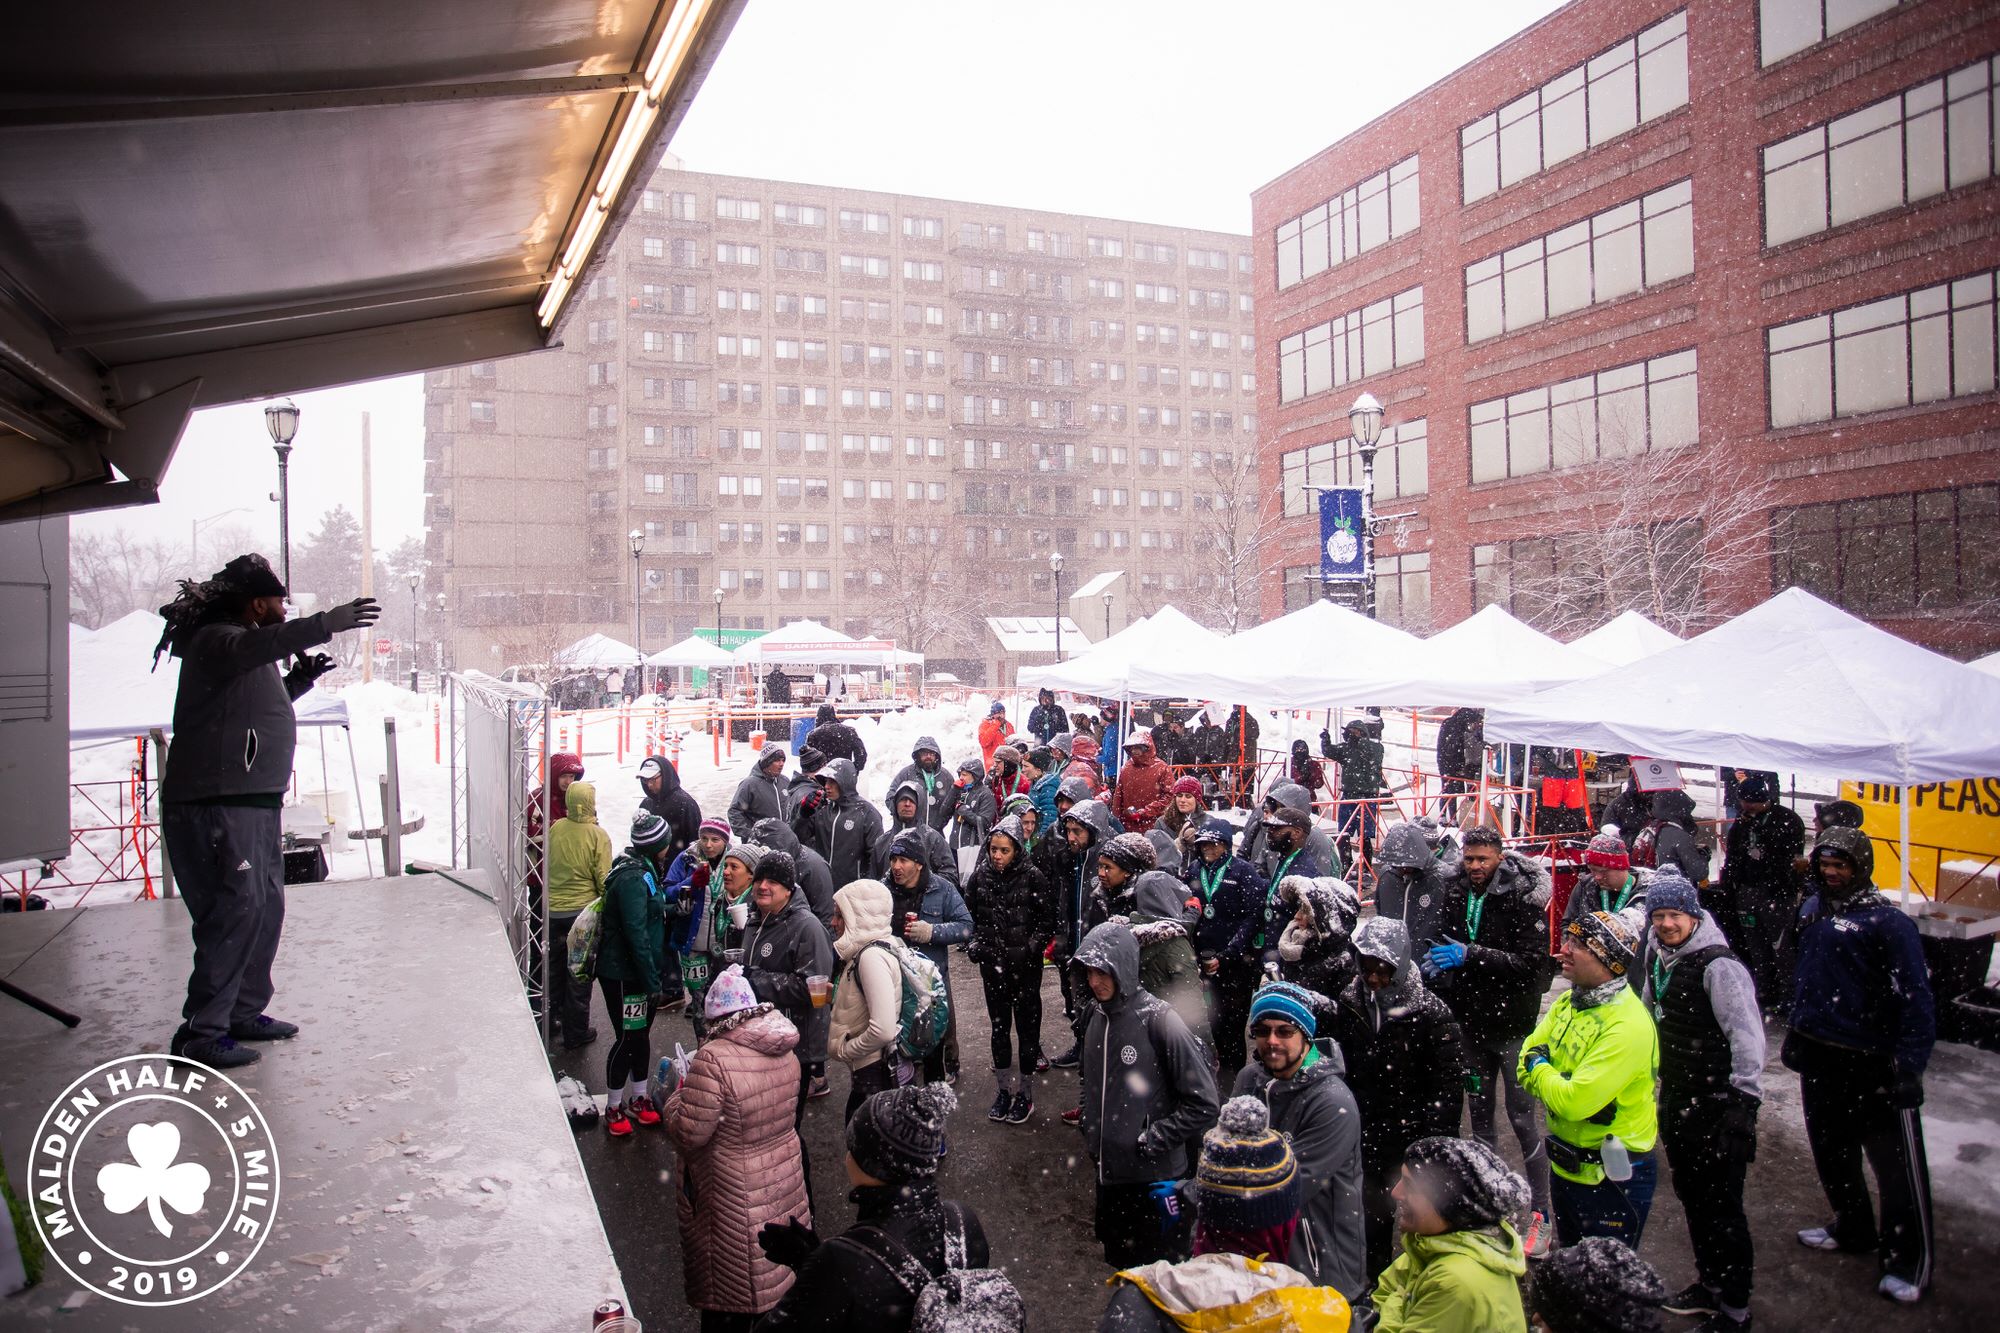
[{"x": 667, "y": 60}]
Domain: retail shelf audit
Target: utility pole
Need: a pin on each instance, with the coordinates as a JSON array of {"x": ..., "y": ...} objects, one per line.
[{"x": 367, "y": 542}]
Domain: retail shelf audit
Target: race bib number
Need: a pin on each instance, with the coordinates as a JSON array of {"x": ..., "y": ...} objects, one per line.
[
  {"x": 635, "y": 1019},
  {"x": 694, "y": 971}
]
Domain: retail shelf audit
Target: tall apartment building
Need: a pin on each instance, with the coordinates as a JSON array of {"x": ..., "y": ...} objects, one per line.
[
  {"x": 1727, "y": 248},
  {"x": 879, "y": 411}
]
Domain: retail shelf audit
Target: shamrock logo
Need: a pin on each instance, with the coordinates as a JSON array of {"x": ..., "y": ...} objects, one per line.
[{"x": 153, "y": 1177}]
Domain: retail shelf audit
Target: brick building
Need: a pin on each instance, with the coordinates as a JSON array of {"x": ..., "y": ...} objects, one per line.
[
  {"x": 1727, "y": 247},
  {"x": 878, "y": 411}
]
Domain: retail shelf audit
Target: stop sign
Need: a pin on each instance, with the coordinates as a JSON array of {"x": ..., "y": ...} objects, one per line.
[{"x": 384, "y": 647}]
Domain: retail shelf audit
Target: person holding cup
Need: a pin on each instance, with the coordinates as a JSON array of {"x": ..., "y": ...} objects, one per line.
[{"x": 785, "y": 945}]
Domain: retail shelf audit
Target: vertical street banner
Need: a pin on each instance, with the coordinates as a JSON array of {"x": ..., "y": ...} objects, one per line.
[{"x": 1340, "y": 558}]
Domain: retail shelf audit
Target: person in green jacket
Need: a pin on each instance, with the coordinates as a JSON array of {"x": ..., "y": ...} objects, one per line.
[
  {"x": 1462, "y": 1262},
  {"x": 629, "y": 955},
  {"x": 579, "y": 857},
  {"x": 1592, "y": 1062}
]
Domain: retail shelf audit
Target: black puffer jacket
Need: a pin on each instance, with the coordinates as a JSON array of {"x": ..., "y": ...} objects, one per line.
[
  {"x": 837, "y": 740},
  {"x": 1405, "y": 1062},
  {"x": 1014, "y": 913},
  {"x": 845, "y": 1288},
  {"x": 1496, "y": 994}
]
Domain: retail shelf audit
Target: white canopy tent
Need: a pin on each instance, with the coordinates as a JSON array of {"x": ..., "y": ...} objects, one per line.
[
  {"x": 595, "y": 651},
  {"x": 1321, "y": 656},
  {"x": 1140, "y": 661},
  {"x": 1794, "y": 684},
  {"x": 1485, "y": 659},
  {"x": 1990, "y": 664},
  {"x": 693, "y": 651},
  {"x": 1626, "y": 638},
  {"x": 809, "y": 643}
]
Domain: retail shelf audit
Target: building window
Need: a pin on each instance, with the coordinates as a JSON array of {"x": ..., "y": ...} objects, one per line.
[
  {"x": 1622, "y": 250},
  {"x": 1786, "y": 27},
  {"x": 1640, "y": 78},
  {"x": 1402, "y": 466},
  {"x": 1610, "y": 414},
  {"x": 1403, "y": 590},
  {"x": 1918, "y": 143},
  {"x": 1924, "y": 346},
  {"x": 481, "y": 410},
  {"x": 741, "y": 210},
  {"x": 1373, "y": 213},
  {"x": 1562, "y": 579},
  {"x": 732, "y": 252},
  {"x": 799, "y": 215},
  {"x": 1376, "y": 338},
  {"x": 1926, "y": 551}
]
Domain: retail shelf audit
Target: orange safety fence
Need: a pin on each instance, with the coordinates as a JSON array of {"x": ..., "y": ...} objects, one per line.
[{"x": 116, "y": 840}]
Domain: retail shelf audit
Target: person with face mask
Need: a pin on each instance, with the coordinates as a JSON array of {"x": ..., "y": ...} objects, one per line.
[
  {"x": 1491, "y": 966},
  {"x": 1863, "y": 1023},
  {"x": 1405, "y": 1065},
  {"x": 1014, "y": 920}
]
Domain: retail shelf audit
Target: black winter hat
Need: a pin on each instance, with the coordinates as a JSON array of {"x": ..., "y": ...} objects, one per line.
[
  {"x": 810, "y": 760},
  {"x": 1467, "y": 1182},
  {"x": 776, "y": 752},
  {"x": 252, "y": 576},
  {"x": 826, "y": 713},
  {"x": 1042, "y": 757},
  {"x": 909, "y": 845},
  {"x": 1598, "y": 1285},
  {"x": 778, "y": 868},
  {"x": 1131, "y": 852},
  {"x": 1247, "y": 1179},
  {"x": 896, "y": 1136}
]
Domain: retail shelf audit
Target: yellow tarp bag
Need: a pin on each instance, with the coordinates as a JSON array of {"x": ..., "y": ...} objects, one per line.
[{"x": 1227, "y": 1293}]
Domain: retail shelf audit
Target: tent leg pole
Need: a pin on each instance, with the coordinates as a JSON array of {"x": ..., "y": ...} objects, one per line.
[{"x": 1903, "y": 812}]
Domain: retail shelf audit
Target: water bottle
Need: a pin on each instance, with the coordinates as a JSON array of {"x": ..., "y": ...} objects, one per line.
[{"x": 1617, "y": 1162}]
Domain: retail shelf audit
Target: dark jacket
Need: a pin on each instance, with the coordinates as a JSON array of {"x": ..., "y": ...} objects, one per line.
[
  {"x": 1410, "y": 883},
  {"x": 777, "y": 686},
  {"x": 937, "y": 797},
  {"x": 1014, "y": 912},
  {"x": 1319, "y": 957},
  {"x": 673, "y": 804},
  {"x": 973, "y": 807},
  {"x": 758, "y": 796},
  {"x": 1167, "y": 966},
  {"x": 1496, "y": 994},
  {"x": 935, "y": 900},
  {"x": 781, "y": 951},
  {"x": 1321, "y": 854},
  {"x": 1360, "y": 763},
  {"x": 1586, "y": 897},
  {"x": 1232, "y": 905},
  {"x": 845, "y": 1288},
  {"x": 1138, "y": 1130},
  {"x": 234, "y": 729},
  {"x": 633, "y": 943},
  {"x": 843, "y": 831},
  {"x": 938, "y": 854},
  {"x": 1861, "y": 981},
  {"x": 1316, "y": 1111},
  {"x": 815, "y": 879},
  {"x": 1075, "y": 873},
  {"x": 1671, "y": 835},
  {"x": 1047, "y": 719},
  {"x": 1461, "y": 744},
  {"x": 1757, "y": 865},
  {"x": 837, "y": 740},
  {"x": 1405, "y": 1061}
]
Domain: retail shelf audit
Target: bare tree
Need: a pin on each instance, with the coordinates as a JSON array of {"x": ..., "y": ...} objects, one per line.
[
  {"x": 1648, "y": 532},
  {"x": 1229, "y": 544},
  {"x": 926, "y": 596},
  {"x": 113, "y": 574}
]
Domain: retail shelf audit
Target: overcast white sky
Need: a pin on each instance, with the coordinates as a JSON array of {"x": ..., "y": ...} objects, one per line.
[{"x": 1164, "y": 110}]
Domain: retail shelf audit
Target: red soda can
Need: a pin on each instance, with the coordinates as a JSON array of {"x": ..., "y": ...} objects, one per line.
[{"x": 606, "y": 1312}]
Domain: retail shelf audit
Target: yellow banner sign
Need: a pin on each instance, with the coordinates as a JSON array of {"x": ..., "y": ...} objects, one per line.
[{"x": 1954, "y": 832}]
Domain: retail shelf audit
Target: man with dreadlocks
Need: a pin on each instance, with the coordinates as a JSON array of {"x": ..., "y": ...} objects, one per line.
[{"x": 231, "y": 760}]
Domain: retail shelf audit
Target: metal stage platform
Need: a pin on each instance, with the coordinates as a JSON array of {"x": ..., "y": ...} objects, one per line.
[{"x": 429, "y": 1180}]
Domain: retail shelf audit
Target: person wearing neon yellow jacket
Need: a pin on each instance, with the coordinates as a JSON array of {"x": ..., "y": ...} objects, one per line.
[{"x": 1592, "y": 1062}]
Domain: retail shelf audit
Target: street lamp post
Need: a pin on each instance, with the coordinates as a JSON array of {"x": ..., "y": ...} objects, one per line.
[
  {"x": 1055, "y": 567},
  {"x": 437, "y": 628},
  {"x": 718, "y": 640},
  {"x": 415, "y": 579},
  {"x": 1107, "y": 615},
  {"x": 281, "y": 419},
  {"x": 1365, "y": 418},
  {"x": 637, "y": 541}
]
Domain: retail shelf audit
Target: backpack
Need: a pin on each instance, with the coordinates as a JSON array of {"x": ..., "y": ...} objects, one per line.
[
  {"x": 585, "y": 934},
  {"x": 926, "y": 1011},
  {"x": 958, "y": 1300}
]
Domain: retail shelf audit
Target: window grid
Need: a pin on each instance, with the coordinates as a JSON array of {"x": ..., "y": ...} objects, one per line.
[
  {"x": 1402, "y": 466},
  {"x": 1919, "y": 551},
  {"x": 1611, "y": 413},
  {"x": 1379, "y": 337},
  {"x": 1787, "y": 27},
  {"x": 1374, "y": 212}
]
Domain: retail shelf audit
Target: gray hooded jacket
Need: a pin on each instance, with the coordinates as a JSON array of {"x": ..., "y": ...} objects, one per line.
[
  {"x": 937, "y": 799},
  {"x": 1138, "y": 1130},
  {"x": 814, "y": 875},
  {"x": 758, "y": 796},
  {"x": 1410, "y": 883},
  {"x": 1316, "y": 1111},
  {"x": 1319, "y": 848},
  {"x": 938, "y": 854},
  {"x": 844, "y": 832}
]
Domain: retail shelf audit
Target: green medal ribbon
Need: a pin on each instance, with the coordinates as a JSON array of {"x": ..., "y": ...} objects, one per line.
[{"x": 1475, "y": 908}]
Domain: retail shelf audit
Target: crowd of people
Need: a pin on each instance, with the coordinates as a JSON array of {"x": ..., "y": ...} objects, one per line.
[{"x": 1289, "y": 1097}]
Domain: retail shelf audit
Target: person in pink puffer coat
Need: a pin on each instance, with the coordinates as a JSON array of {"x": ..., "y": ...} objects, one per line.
[{"x": 738, "y": 1164}]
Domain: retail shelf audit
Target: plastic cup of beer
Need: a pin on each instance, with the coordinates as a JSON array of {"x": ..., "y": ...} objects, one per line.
[
  {"x": 819, "y": 988},
  {"x": 739, "y": 915}
]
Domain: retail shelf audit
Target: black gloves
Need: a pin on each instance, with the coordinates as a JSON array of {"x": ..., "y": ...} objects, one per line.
[
  {"x": 1325, "y": 743},
  {"x": 357, "y": 614},
  {"x": 788, "y": 1244},
  {"x": 308, "y": 668},
  {"x": 1907, "y": 1092},
  {"x": 1736, "y": 1131}
]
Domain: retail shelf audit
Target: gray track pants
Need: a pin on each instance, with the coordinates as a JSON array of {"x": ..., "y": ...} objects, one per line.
[{"x": 229, "y": 864}]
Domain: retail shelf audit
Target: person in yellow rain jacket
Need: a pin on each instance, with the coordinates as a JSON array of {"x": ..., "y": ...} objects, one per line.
[
  {"x": 1592, "y": 1062},
  {"x": 578, "y": 860}
]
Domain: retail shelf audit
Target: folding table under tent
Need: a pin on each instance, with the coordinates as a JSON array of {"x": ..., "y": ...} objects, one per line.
[
  {"x": 1792, "y": 685},
  {"x": 1625, "y": 639}
]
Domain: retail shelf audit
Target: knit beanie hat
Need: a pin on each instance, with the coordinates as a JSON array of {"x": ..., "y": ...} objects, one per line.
[
  {"x": 777, "y": 867},
  {"x": 1247, "y": 1179},
  {"x": 252, "y": 576},
  {"x": 771, "y": 752},
  {"x": 1130, "y": 852},
  {"x": 981, "y": 1298},
  {"x": 716, "y": 826},
  {"x": 728, "y": 993},
  {"x": 896, "y": 1136},
  {"x": 1610, "y": 936},
  {"x": 1286, "y": 1000},
  {"x": 1467, "y": 1182},
  {"x": 810, "y": 760},
  {"x": 908, "y": 844},
  {"x": 1608, "y": 850},
  {"x": 750, "y": 854},
  {"x": 650, "y": 832},
  {"x": 1598, "y": 1285},
  {"x": 1670, "y": 889},
  {"x": 1187, "y": 786},
  {"x": 1042, "y": 757},
  {"x": 1756, "y": 787}
]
